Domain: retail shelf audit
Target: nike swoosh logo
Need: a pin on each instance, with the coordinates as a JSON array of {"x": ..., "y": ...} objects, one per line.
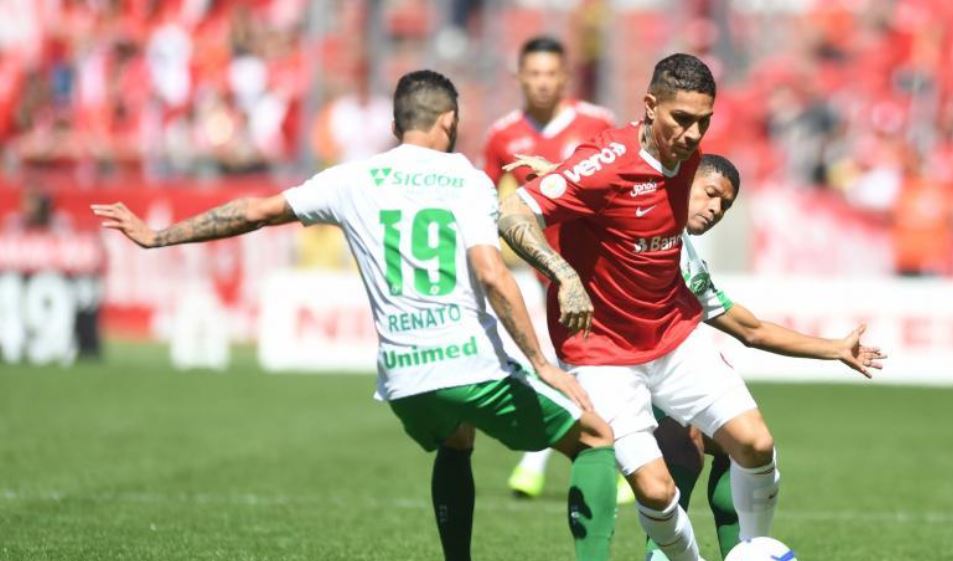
[{"x": 640, "y": 212}]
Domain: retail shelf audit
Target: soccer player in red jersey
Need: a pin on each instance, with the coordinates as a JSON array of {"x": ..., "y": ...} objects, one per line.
[
  {"x": 620, "y": 315},
  {"x": 715, "y": 188},
  {"x": 549, "y": 125}
]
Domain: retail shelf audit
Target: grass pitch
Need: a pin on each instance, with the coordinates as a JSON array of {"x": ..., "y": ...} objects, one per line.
[{"x": 128, "y": 460}]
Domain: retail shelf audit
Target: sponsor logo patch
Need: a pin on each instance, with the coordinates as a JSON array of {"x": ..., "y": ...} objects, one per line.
[
  {"x": 595, "y": 163},
  {"x": 656, "y": 243},
  {"x": 643, "y": 188},
  {"x": 553, "y": 186},
  {"x": 640, "y": 212},
  {"x": 379, "y": 175}
]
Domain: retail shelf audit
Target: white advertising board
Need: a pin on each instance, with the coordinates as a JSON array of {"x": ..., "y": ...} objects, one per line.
[{"x": 320, "y": 321}]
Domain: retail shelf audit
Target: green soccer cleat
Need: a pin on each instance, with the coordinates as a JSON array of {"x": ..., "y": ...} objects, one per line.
[
  {"x": 525, "y": 483},
  {"x": 623, "y": 492}
]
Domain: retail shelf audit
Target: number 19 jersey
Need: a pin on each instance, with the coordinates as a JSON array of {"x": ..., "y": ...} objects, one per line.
[{"x": 409, "y": 216}]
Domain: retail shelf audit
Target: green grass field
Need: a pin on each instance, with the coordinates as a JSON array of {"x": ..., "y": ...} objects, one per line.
[{"x": 130, "y": 460}]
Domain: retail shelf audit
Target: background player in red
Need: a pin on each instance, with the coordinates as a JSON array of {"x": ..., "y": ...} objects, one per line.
[
  {"x": 550, "y": 125},
  {"x": 622, "y": 202}
]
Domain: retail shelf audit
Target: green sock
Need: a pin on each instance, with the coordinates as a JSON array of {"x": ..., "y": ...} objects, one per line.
[
  {"x": 719, "y": 499},
  {"x": 592, "y": 508},
  {"x": 452, "y": 492},
  {"x": 685, "y": 479}
]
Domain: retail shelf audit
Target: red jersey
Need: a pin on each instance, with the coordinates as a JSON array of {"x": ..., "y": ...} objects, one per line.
[
  {"x": 517, "y": 133},
  {"x": 621, "y": 217}
]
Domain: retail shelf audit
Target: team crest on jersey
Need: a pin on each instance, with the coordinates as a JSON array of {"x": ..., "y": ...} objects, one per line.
[
  {"x": 699, "y": 283},
  {"x": 553, "y": 186},
  {"x": 379, "y": 175},
  {"x": 521, "y": 144},
  {"x": 643, "y": 188}
]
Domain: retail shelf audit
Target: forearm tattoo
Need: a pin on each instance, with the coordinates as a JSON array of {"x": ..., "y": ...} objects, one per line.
[
  {"x": 220, "y": 222},
  {"x": 524, "y": 235}
]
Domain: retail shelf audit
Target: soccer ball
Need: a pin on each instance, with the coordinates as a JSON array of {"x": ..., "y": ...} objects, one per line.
[{"x": 761, "y": 549}]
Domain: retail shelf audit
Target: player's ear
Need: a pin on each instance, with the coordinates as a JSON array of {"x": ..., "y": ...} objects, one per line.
[
  {"x": 447, "y": 120},
  {"x": 651, "y": 104}
]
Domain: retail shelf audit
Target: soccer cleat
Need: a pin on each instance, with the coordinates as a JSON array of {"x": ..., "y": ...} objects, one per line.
[
  {"x": 526, "y": 483},
  {"x": 623, "y": 492}
]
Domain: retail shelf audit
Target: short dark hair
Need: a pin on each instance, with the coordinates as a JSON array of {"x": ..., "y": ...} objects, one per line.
[
  {"x": 713, "y": 163},
  {"x": 681, "y": 72},
  {"x": 420, "y": 98},
  {"x": 542, "y": 44}
]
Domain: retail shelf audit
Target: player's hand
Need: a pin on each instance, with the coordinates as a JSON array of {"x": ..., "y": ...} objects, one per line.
[
  {"x": 575, "y": 307},
  {"x": 859, "y": 357},
  {"x": 537, "y": 164},
  {"x": 118, "y": 217},
  {"x": 567, "y": 384}
]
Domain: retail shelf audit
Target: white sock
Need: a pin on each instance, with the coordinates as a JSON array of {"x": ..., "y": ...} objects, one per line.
[
  {"x": 755, "y": 494},
  {"x": 671, "y": 530},
  {"x": 536, "y": 461}
]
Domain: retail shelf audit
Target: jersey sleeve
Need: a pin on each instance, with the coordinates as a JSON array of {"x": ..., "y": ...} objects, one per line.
[
  {"x": 318, "y": 200},
  {"x": 714, "y": 301},
  {"x": 581, "y": 186},
  {"x": 477, "y": 214}
]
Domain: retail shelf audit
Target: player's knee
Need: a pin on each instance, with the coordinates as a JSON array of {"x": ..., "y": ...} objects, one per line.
[
  {"x": 654, "y": 487},
  {"x": 596, "y": 433},
  {"x": 463, "y": 438},
  {"x": 763, "y": 448},
  {"x": 757, "y": 450}
]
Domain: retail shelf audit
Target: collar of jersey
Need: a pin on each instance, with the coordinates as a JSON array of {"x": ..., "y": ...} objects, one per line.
[
  {"x": 414, "y": 147},
  {"x": 557, "y": 125},
  {"x": 651, "y": 160}
]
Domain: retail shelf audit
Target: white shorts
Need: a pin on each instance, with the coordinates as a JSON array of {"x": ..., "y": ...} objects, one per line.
[{"x": 693, "y": 384}]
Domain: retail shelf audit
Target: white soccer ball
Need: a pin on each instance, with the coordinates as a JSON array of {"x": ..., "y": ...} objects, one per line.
[{"x": 761, "y": 549}]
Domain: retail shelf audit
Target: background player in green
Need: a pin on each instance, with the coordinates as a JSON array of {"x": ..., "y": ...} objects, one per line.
[
  {"x": 421, "y": 223},
  {"x": 714, "y": 189}
]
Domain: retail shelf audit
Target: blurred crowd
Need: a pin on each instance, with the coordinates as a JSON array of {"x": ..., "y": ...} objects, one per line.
[
  {"x": 109, "y": 87},
  {"x": 849, "y": 97},
  {"x": 854, "y": 98}
]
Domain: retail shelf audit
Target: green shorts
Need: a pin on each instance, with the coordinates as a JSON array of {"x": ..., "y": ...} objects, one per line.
[{"x": 520, "y": 411}]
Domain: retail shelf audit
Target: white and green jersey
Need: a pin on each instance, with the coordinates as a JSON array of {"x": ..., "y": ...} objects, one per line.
[
  {"x": 409, "y": 216},
  {"x": 695, "y": 271}
]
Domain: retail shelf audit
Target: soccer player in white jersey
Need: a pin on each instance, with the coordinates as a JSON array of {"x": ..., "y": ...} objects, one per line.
[
  {"x": 421, "y": 223},
  {"x": 714, "y": 189}
]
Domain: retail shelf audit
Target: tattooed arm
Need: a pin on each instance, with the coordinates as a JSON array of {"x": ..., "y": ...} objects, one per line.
[
  {"x": 231, "y": 219},
  {"x": 520, "y": 228},
  {"x": 507, "y": 301}
]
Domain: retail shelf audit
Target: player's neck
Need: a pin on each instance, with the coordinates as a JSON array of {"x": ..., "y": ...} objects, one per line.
[
  {"x": 647, "y": 140},
  {"x": 423, "y": 139},
  {"x": 543, "y": 115}
]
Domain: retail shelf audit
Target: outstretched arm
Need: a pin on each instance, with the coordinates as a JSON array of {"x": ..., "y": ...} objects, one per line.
[
  {"x": 507, "y": 301},
  {"x": 742, "y": 324},
  {"x": 520, "y": 228},
  {"x": 230, "y": 219}
]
